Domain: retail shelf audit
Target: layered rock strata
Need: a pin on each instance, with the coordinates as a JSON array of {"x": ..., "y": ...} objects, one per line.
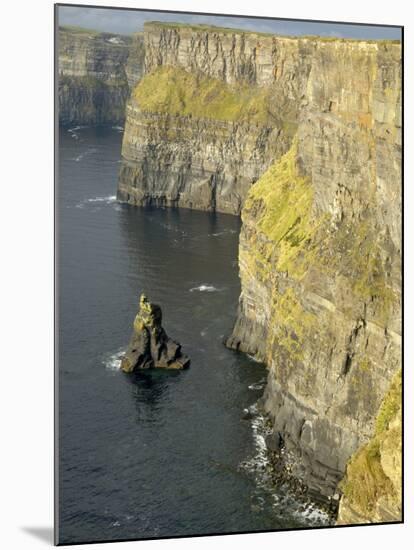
[
  {"x": 149, "y": 346},
  {"x": 212, "y": 111},
  {"x": 372, "y": 487},
  {"x": 303, "y": 137},
  {"x": 95, "y": 72},
  {"x": 320, "y": 262},
  {"x": 134, "y": 67}
]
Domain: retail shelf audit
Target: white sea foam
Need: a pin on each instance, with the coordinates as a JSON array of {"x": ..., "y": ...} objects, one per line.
[
  {"x": 84, "y": 154},
  {"x": 205, "y": 288},
  {"x": 113, "y": 361},
  {"x": 260, "y": 460},
  {"x": 219, "y": 233},
  {"x": 119, "y": 128},
  {"x": 284, "y": 500},
  {"x": 258, "y": 385},
  {"x": 76, "y": 128},
  {"x": 107, "y": 200},
  {"x": 253, "y": 358},
  {"x": 73, "y": 131},
  {"x": 110, "y": 199}
]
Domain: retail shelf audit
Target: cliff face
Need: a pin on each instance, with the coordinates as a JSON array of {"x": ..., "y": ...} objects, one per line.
[
  {"x": 372, "y": 487},
  {"x": 95, "y": 72},
  {"x": 303, "y": 137},
  {"x": 320, "y": 266},
  {"x": 134, "y": 67},
  {"x": 234, "y": 97}
]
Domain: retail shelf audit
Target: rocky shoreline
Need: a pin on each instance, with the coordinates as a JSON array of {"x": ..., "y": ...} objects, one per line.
[{"x": 274, "y": 469}]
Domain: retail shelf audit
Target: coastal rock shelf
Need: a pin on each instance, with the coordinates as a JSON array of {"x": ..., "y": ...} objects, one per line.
[{"x": 150, "y": 347}]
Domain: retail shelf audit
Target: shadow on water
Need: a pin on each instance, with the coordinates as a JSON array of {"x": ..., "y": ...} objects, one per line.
[{"x": 149, "y": 387}]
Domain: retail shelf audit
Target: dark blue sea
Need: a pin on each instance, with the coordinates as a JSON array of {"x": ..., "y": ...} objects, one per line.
[{"x": 161, "y": 453}]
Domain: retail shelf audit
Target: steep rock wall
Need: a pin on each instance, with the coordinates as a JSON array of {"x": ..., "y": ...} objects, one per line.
[
  {"x": 95, "y": 72},
  {"x": 320, "y": 247},
  {"x": 372, "y": 487},
  {"x": 230, "y": 148},
  {"x": 226, "y": 54},
  {"x": 213, "y": 173},
  {"x": 320, "y": 262},
  {"x": 134, "y": 68}
]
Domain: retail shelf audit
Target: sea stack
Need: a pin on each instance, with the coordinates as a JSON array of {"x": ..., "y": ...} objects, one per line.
[{"x": 150, "y": 347}]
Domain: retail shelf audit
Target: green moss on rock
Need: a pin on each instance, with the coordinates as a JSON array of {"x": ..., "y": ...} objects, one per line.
[
  {"x": 366, "y": 481},
  {"x": 295, "y": 323},
  {"x": 202, "y": 28},
  {"x": 175, "y": 91},
  {"x": 367, "y": 489},
  {"x": 283, "y": 200},
  {"x": 390, "y": 406}
]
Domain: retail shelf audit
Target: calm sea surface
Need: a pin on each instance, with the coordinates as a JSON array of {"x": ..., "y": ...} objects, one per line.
[{"x": 158, "y": 454}]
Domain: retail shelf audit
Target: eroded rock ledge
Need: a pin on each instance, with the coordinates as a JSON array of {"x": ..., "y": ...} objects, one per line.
[{"x": 150, "y": 347}]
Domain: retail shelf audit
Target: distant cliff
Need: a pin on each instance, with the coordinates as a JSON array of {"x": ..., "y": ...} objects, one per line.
[{"x": 95, "y": 72}]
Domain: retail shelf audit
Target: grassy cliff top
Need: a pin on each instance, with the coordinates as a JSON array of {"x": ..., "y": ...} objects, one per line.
[
  {"x": 203, "y": 28},
  {"x": 233, "y": 30},
  {"x": 73, "y": 29},
  {"x": 173, "y": 90},
  {"x": 77, "y": 30}
]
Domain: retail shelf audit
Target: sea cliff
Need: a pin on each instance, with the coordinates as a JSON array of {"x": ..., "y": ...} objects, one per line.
[
  {"x": 213, "y": 110},
  {"x": 302, "y": 136},
  {"x": 320, "y": 263},
  {"x": 95, "y": 74}
]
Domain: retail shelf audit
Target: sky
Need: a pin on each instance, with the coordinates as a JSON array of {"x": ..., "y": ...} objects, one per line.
[{"x": 129, "y": 21}]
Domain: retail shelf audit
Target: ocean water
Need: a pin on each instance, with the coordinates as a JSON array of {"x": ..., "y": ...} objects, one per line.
[{"x": 157, "y": 454}]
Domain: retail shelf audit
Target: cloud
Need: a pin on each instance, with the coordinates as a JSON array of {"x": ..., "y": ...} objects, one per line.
[{"x": 128, "y": 21}]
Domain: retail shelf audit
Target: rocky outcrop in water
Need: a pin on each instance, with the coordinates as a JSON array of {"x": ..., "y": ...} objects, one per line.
[
  {"x": 150, "y": 347},
  {"x": 95, "y": 72}
]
